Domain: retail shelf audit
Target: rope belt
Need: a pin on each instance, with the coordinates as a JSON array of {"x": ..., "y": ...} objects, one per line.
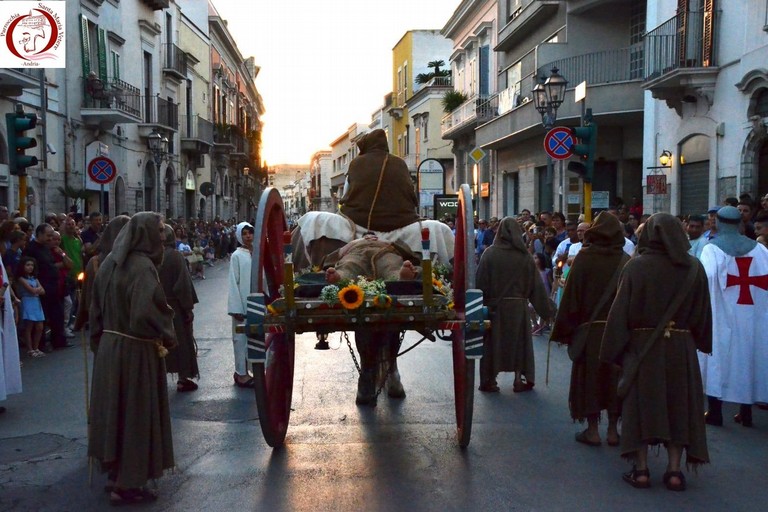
[
  {"x": 668, "y": 330},
  {"x": 161, "y": 350}
]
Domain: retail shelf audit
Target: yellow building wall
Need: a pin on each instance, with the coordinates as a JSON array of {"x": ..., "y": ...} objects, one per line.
[{"x": 402, "y": 88}]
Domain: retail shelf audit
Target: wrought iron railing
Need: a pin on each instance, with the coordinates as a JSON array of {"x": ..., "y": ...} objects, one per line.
[
  {"x": 195, "y": 127},
  {"x": 608, "y": 66},
  {"x": 160, "y": 111},
  {"x": 112, "y": 94},
  {"x": 175, "y": 58},
  {"x": 477, "y": 109},
  {"x": 515, "y": 95},
  {"x": 687, "y": 40}
]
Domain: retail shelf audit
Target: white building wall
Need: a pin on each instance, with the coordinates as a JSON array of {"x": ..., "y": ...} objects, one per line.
[{"x": 742, "y": 49}]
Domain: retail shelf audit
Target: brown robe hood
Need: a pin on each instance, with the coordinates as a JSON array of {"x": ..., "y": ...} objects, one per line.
[
  {"x": 663, "y": 234},
  {"x": 380, "y": 196}
]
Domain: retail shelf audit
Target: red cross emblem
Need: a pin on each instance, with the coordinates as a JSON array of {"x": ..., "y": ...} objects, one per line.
[{"x": 744, "y": 281}]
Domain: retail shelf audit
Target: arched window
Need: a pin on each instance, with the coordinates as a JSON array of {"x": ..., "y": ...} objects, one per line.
[{"x": 761, "y": 106}]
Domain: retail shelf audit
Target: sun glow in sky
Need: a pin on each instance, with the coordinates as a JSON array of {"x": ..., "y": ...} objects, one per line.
[{"x": 325, "y": 64}]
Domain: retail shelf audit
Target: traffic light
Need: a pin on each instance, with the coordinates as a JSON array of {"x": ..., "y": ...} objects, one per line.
[
  {"x": 17, "y": 123},
  {"x": 585, "y": 149}
]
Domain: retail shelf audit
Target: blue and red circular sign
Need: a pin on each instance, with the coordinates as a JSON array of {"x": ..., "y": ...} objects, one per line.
[
  {"x": 102, "y": 170},
  {"x": 558, "y": 143}
]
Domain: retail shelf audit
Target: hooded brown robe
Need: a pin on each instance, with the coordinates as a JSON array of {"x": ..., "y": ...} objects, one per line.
[
  {"x": 593, "y": 384},
  {"x": 130, "y": 427},
  {"x": 181, "y": 296},
  {"x": 103, "y": 247},
  {"x": 390, "y": 203},
  {"x": 665, "y": 399},
  {"x": 508, "y": 277}
]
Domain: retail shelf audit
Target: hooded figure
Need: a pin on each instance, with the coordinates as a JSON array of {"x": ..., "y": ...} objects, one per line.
[
  {"x": 661, "y": 385},
  {"x": 380, "y": 194},
  {"x": 132, "y": 324},
  {"x": 181, "y": 296},
  {"x": 593, "y": 275},
  {"x": 737, "y": 270},
  {"x": 508, "y": 277},
  {"x": 239, "y": 289},
  {"x": 104, "y": 247}
]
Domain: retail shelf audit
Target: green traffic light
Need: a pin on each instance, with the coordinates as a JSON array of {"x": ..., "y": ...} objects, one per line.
[
  {"x": 18, "y": 143},
  {"x": 586, "y": 148}
]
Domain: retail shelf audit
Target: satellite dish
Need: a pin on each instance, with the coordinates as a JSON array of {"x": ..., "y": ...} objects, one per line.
[{"x": 207, "y": 188}]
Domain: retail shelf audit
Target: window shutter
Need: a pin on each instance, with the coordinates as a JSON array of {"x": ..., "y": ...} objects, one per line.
[
  {"x": 708, "y": 33},
  {"x": 102, "y": 53},
  {"x": 85, "y": 46}
]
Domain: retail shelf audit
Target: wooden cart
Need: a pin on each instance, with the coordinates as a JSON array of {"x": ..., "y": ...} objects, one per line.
[{"x": 271, "y": 330}]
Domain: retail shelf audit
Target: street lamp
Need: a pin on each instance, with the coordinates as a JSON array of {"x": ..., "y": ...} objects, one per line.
[
  {"x": 665, "y": 159},
  {"x": 158, "y": 146},
  {"x": 547, "y": 98}
]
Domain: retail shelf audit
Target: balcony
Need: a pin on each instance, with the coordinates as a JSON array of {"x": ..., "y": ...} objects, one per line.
[
  {"x": 157, "y": 5},
  {"x": 242, "y": 147},
  {"x": 159, "y": 114},
  {"x": 14, "y": 81},
  {"x": 175, "y": 61},
  {"x": 471, "y": 113},
  {"x": 106, "y": 104},
  {"x": 681, "y": 59},
  {"x": 224, "y": 138},
  {"x": 196, "y": 135},
  {"x": 525, "y": 20},
  {"x": 614, "y": 79}
]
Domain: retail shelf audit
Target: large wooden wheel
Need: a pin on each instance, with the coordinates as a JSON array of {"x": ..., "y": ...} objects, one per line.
[
  {"x": 273, "y": 378},
  {"x": 463, "y": 279}
]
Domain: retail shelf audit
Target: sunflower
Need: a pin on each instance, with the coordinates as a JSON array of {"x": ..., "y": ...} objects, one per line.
[
  {"x": 382, "y": 301},
  {"x": 272, "y": 310},
  {"x": 351, "y": 296}
]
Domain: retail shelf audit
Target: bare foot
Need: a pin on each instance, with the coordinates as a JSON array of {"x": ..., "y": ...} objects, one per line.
[
  {"x": 408, "y": 271},
  {"x": 332, "y": 276}
]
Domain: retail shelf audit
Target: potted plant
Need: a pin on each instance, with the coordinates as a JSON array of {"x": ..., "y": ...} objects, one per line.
[{"x": 453, "y": 100}]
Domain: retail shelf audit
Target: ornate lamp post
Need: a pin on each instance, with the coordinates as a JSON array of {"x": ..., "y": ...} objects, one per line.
[
  {"x": 158, "y": 147},
  {"x": 547, "y": 98}
]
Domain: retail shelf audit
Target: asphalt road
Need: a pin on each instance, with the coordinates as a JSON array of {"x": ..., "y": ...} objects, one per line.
[{"x": 400, "y": 455}]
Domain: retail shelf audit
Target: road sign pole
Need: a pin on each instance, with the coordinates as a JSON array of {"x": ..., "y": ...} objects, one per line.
[
  {"x": 23, "y": 195},
  {"x": 587, "y": 201},
  {"x": 102, "y": 201}
]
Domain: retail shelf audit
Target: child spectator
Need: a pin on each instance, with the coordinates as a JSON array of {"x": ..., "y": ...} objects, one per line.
[{"x": 31, "y": 307}]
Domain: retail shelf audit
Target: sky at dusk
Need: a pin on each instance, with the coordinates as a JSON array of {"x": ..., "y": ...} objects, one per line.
[{"x": 325, "y": 64}]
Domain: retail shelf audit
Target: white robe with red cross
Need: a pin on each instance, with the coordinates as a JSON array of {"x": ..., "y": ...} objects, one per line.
[{"x": 737, "y": 370}]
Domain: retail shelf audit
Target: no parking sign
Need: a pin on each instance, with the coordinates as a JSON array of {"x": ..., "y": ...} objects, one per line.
[{"x": 102, "y": 170}]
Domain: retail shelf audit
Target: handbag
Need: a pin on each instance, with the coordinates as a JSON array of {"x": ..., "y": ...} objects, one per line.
[{"x": 581, "y": 335}]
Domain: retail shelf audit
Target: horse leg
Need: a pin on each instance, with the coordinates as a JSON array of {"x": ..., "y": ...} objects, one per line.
[
  {"x": 366, "y": 381},
  {"x": 394, "y": 385}
]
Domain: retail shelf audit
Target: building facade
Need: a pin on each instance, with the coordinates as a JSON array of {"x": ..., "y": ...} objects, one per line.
[
  {"x": 706, "y": 101},
  {"x": 138, "y": 89}
]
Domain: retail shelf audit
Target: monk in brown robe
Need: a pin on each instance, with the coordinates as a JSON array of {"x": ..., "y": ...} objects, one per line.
[
  {"x": 661, "y": 388},
  {"x": 103, "y": 247},
  {"x": 380, "y": 194},
  {"x": 593, "y": 384},
  {"x": 508, "y": 277},
  {"x": 132, "y": 324},
  {"x": 181, "y": 296},
  {"x": 371, "y": 258}
]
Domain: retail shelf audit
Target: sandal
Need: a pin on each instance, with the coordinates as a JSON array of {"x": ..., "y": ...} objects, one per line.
[
  {"x": 489, "y": 387},
  {"x": 120, "y": 497},
  {"x": 668, "y": 480},
  {"x": 249, "y": 383},
  {"x": 186, "y": 385},
  {"x": 522, "y": 387},
  {"x": 581, "y": 437},
  {"x": 631, "y": 478}
]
